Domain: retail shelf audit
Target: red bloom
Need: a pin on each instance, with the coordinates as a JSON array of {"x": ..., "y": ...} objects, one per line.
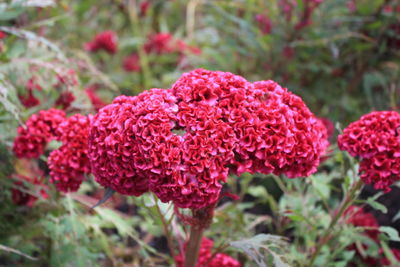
[
  {"x": 205, "y": 253},
  {"x": 132, "y": 63},
  {"x": 96, "y": 101},
  {"x": 70, "y": 162},
  {"x": 144, "y": 6},
  {"x": 264, "y": 23},
  {"x": 359, "y": 218},
  {"x": 376, "y": 139},
  {"x": 3, "y": 35},
  {"x": 65, "y": 99},
  {"x": 106, "y": 41},
  {"x": 40, "y": 129},
  {"x": 29, "y": 100},
  {"x": 275, "y": 131},
  {"x": 159, "y": 43}
]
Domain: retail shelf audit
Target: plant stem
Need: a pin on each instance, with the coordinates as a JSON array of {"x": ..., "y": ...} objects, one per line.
[
  {"x": 193, "y": 246},
  {"x": 166, "y": 230},
  {"x": 347, "y": 201}
]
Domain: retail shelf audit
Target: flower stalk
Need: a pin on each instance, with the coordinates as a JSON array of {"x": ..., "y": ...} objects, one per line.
[{"x": 347, "y": 201}]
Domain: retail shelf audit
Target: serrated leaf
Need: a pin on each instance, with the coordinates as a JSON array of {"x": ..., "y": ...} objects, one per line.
[
  {"x": 252, "y": 247},
  {"x": 107, "y": 195}
]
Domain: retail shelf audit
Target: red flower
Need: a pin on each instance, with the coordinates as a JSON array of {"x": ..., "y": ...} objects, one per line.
[
  {"x": 40, "y": 129},
  {"x": 359, "y": 218},
  {"x": 144, "y": 6},
  {"x": 106, "y": 41},
  {"x": 65, "y": 99},
  {"x": 159, "y": 43},
  {"x": 264, "y": 23},
  {"x": 132, "y": 63},
  {"x": 29, "y": 100},
  {"x": 70, "y": 162},
  {"x": 3, "y": 35},
  {"x": 180, "y": 143},
  {"x": 376, "y": 139},
  {"x": 96, "y": 101},
  {"x": 205, "y": 253}
]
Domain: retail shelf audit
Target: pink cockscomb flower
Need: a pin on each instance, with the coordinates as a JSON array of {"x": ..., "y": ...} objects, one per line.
[
  {"x": 65, "y": 99},
  {"x": 181, "y": 143},
  {"x": 264, "y": 23},
  {"x": 159, "y": 43},
  {"x": 40, "y": 129},
  {"x": 2, "y": 35},
  {"x": 275, "y": 131},
  {"x": 375, "y": 138},
  {"x": 69, "y": 163},
  {"x": 28, "y": 99},
  {"x": 144, "y": 7},
  {"x": 205, "y": 254},
  {"x": 132, "y": 63},
  {"x": 107, "y": 41},
  {"x": 358, "y": 217}
]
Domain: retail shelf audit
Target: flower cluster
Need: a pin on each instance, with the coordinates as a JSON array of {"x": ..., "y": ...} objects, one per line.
[
  {"x": 376, "y": 139},
  {"x": 182, "y": 142},
  {"x": 40, "y": 129},
  {"x": 107, "y": 41},
  {"x": 205, "y": 254},
  {"x": 69, "y": 163}
]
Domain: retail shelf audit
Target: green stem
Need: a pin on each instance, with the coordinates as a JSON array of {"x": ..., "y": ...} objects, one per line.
[
  {"x": 166, "y": 230},
  {"x": 347, "y": 201},
  {"x": 193, "y": 246}
]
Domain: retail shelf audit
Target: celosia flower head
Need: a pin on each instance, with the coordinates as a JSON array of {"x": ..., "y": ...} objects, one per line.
[
  {"x": 107, "y": 41},
  {"x": 375, "y": 138},
  {"x": 205, "y": 254},
  {"x": 65, "y": 99},
  {"x": 40, "y": 129},
  {"x": 181, "y": 143},
  {"x": 69, "y": 163},
  {"x": 131, "y": 63}
]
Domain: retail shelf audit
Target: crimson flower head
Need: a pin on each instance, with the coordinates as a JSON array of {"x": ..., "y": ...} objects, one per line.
[
  {"x": 107, "y": 41},
  {"x": 69, "y": 163},
  {"x": 2, "y": 35},
  {"x": 205, "y": 254},
  {"x": 375, "y": 138},
  {"x": 181, "y": 143},
  {"x": 264, "y": 23},
  {"x": 40, "y": 129},
  {"x": 159, "y": 43},
  {"x": 359, "y": 218},
  {"x": 131, "y": 63}
]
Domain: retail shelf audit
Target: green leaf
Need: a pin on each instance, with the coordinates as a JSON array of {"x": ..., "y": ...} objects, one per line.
[{"x": 391, "y": 232}]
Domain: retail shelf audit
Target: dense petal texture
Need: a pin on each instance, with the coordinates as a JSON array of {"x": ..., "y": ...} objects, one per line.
[
  {"x": 69, "y": 163},
  {"x": 106, "y": 41},
  {"x": 375, "y": 138},
  {"x": 40, "y": 129},
  {"x": 205, "y": 253},
  {"x": 182, "y": 142}
]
